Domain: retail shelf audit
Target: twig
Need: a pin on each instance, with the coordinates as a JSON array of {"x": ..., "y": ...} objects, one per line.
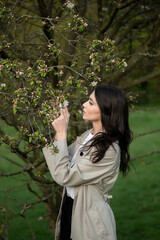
[
  {"x": 29, "y": 205},
  {"x": 32, "y": 191},
  {"x": 10, "y": 160},
  {"x": 147, "y": 54},
  {"x": 146, "y": 133},
  {"x": 13, "y": 174},
  {"x": 145, "y": 155}
]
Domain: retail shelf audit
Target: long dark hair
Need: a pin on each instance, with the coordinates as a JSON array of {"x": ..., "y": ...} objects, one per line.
[{"x": 114, "y": 116}]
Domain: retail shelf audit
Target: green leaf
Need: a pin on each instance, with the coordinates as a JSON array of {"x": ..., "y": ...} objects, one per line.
[
  {"x": 14, "y": 111},
  {"x": 36, "y": 133}
]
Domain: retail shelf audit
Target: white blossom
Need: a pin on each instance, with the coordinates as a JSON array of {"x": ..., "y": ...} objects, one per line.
[
  {"x": 125, "y": 64},
  {"x": 21, "y": 73},
  {"x": 65, "y": 103},
  {"x": 61, "y": 73},
  {"x": 85, "y": 24},
  {"x": 80, "y": 111},
  {"x": 60, "y": 105},
  {"x": 93, "y": 83},
  {"x": 3, "y": 85},
  {"x": 70, "y": 5}
]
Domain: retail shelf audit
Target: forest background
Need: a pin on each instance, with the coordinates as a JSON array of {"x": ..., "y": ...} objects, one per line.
[{"x": 54, "y": 52}]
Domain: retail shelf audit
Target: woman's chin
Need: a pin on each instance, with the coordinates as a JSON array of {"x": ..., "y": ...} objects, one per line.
[{"x": 84, "y": 117}]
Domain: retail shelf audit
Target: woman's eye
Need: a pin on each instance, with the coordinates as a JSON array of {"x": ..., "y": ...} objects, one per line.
[{"x": 90, "y": 103}]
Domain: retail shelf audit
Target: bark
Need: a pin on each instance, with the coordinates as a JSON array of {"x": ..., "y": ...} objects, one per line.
[
  {"x": 50, "y": 209},
  {"x": 100, "y": 16}
]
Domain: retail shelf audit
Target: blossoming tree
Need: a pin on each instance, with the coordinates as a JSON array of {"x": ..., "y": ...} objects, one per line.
[{"x": 52, "y": 53}]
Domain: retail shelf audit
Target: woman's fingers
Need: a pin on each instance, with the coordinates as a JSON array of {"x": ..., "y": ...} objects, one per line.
[
  {"x": 62, "y": 113},
  {"x": 67, "y": 115},
  {"x": 62, "y": 121}
]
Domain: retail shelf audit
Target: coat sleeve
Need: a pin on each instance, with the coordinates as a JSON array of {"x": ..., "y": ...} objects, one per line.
[{"x": 82, "y": 171}]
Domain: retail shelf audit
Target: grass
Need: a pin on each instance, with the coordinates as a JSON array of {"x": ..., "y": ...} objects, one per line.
[
  {"x": 136, "y": 198},
  {"x": 13, "y": 195}
]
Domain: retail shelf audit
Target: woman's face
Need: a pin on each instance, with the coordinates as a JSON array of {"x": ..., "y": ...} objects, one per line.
[{"x": 91, "y": 110}]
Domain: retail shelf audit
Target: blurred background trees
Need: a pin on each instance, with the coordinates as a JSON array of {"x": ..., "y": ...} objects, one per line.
[{"x": 53, "y": 51}]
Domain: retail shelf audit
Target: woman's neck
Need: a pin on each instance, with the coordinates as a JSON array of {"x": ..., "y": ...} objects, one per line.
[{"x": 97, "y": 127}]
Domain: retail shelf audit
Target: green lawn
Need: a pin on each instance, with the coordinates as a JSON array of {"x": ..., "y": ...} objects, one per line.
[{"x": 136, "y": 198}]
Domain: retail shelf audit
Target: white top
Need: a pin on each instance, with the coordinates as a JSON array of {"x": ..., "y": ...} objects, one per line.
[{"x": 70, "y": 190}]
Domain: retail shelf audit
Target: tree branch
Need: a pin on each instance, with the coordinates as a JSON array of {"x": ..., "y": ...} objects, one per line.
[
  {"x": 155, "y": 33},
  {"x": 40, "y": 180},
  {"x": 113, "y": 14},
  {"x": 118, "y": 23},
  {"x": 135, "y": 59},
  {"x": 10, "y": 160},
  {"x": 145, "y": 155},
  {"x": 32, "y": 191},
  {"x": 30, "y": 9},
  {"x": 109, "y": 22},
  {"x": 146, "y": 133},
  {"x": 124, "y": 84},
  {"x": 136, "y": 23},
  {"x": 27, "y": 206},
  {"x": 29, "y": 169},
  {"x": 13, "y": 174},
  {"x": 126, "y": 4}
]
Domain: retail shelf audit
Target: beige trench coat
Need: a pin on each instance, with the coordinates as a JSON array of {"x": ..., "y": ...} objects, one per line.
[{"x": 92, "y": 217}]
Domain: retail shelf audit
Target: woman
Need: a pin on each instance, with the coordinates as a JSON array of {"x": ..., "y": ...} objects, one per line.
[{"x": 89, "y": 167}]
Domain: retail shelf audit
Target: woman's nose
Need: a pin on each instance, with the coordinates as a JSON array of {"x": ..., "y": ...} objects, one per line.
[{"x": 84, "y": 105}]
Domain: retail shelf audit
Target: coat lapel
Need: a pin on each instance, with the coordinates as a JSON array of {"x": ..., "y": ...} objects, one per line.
[{"x": 81, "y": 138}]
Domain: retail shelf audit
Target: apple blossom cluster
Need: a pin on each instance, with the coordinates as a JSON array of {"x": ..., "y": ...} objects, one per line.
[
  {"x": 69, "y": 4},
  {"x": 77, "y": 23},
  {"x": 6, "y": 11},
  {"x": 103, "y": 58},
  {"x": 80, "y": 24},
  {"x": 10, "y": 141}
]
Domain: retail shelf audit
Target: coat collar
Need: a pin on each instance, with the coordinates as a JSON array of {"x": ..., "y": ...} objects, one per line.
[{"x": 81, "y": 138}]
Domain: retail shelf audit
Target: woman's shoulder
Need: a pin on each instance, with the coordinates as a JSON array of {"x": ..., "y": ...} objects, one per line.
[
  {"x": 114, "y": 148},
  {"x": 84, "y": 135},
  {"x": 112, "y": 154}
]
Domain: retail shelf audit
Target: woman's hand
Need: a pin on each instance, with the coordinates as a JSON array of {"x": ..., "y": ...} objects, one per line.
[{"x": 60, "y": 124}]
